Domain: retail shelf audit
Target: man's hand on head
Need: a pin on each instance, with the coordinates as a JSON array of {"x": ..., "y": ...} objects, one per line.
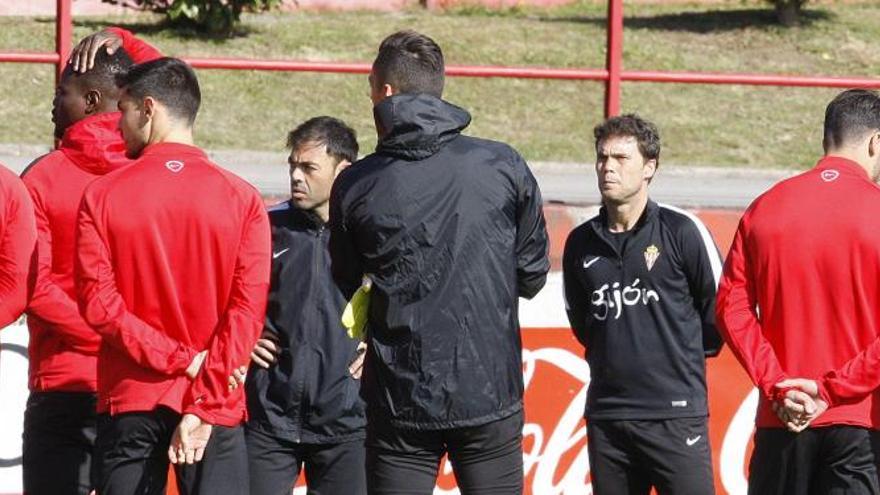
[{"x": 82, "y": 57}]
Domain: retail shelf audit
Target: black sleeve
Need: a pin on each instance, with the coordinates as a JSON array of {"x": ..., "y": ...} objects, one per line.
[
  {"x": 532, "y": 244},
  {"x": 344, "y": 257},
  {"x": 576, "y": 297},
  {"x": 702, "y": 266}
]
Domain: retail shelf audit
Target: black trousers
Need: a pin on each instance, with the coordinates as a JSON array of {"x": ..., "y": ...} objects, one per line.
[
  {"x": 833, "y": 460},
  {"x": 486, "y": 459},
  {"x": 630, "y": 457},
  {"x": 133, "y": 450},
  {"x": 58, "y": 443},
  {"x": 331, "y": 469}
]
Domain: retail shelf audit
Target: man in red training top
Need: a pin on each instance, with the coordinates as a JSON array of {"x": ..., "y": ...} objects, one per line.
[
  {"x": 17, "y": 237},
  {"x": 172, "y": 270},
  {"x": 60, "y": 418},
  {"x": 799, "y": 296}
]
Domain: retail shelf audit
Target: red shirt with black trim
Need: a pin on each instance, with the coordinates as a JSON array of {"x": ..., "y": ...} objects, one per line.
[
  {"x": 800, "y": 293},
  {"x": 63, "y": 348},
  {"x": 173, "y": 257}
]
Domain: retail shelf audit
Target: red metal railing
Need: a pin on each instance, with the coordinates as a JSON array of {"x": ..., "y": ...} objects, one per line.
[{"x": 612, "y": 75}]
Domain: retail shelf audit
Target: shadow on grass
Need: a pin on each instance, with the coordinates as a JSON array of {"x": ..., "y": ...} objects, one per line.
[
  {"x": 182, "y": 31},
  {"x": 703, "y": 22}
]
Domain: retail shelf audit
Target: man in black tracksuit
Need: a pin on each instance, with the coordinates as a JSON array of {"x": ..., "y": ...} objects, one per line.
[
  {"x": 451, "y": 232},
  {"x": 303, "y": 401},
  {"x": 640, "y": 281}
]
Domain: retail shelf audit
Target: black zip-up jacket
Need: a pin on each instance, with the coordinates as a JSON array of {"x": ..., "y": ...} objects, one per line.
[
  {"x": 308, "y": 396},
  {"x": 451, "y": 230},
  {"x": 645, "y": 315}
]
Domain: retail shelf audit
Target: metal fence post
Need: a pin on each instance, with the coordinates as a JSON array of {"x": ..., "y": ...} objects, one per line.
[
  {"x": 63, "y": 34},
  {"x": 614, "y": 60}
]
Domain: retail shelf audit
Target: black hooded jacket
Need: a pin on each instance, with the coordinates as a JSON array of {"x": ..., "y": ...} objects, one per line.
[
  {"x": 451, "y": 231},
  {"x": 308, "y": 396}
]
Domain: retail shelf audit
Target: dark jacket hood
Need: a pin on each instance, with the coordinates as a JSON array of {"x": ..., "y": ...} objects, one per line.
[
  {"x": 95, "y": 144},
  {"x": 416, "y": 126}
]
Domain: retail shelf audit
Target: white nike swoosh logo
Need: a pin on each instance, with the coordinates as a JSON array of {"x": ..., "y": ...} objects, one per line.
[
  {"x": 691, "y": 441},
  {"x": 587, "y": 264},
  {"x": 279, "y": 253}
]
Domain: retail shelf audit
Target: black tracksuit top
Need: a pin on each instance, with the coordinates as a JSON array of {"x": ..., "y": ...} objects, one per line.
[
  {"x": 451, "y": 230},
  {"x": 646, "y": 316},
  {"x": 308, "y": 396}
]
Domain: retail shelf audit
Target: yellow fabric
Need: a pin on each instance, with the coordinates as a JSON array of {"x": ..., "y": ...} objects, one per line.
[{"x": 356, "y": 312}]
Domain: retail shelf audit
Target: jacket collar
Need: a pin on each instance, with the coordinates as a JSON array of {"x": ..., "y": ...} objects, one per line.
[
  {"x": 305, "y": 219},
  {"x": 173, "y": 150},
  {"x": 95, "y": 144},
  {"x": 841, "y": 165},
  {"x": 416, "y": 126},
  {"x": 600, "y": 223}
]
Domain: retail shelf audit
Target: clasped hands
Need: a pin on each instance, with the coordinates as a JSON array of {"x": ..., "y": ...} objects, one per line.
[{"x": 799, "y": 403}]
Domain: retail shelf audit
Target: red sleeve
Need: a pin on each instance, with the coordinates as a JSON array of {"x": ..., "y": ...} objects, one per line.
[
  {"x": 738, "y": 321},
  {"x": 17, "y": 237},
  {"x": 103, "y": 308},
  {"x": 139, "y": 50},
  {"x": 49, "y": 301},
  {"x": 241, "y": 322},
  {"x": 855, "y": 380}
]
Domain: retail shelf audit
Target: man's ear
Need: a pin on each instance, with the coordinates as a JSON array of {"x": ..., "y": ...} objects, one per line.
[
  {"x": 344, "y": 164},
  {"x": 387, "y": 90},
  {"x": 874, "y": 144},
  {"x": 650, "y": 169},
  {"x": 93, "y": 101},
  {"x": 149, "y": 107}
]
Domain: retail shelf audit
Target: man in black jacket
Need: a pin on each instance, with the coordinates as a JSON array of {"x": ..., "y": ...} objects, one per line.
[
  {"x": 302, "y": 397},
  {"x": 640, "y": 281},
  {"x": 450, "y": 231}
]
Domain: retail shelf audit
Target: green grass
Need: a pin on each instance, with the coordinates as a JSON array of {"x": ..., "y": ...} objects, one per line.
[{"x": 546, "y": 120}]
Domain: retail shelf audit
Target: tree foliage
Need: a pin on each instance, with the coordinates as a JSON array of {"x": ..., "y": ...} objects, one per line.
[{"x": 217, "y": 17}]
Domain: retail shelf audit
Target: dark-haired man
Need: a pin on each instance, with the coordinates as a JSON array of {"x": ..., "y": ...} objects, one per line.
[
  {"x": 59, "y": 424},
  {"x": 799, "y": 299},
  {"x": 450, "y": 231},
  {"x": 303, "y": 402},
  {"x": 172, "y": 270},
  {"x": 640, "y": 282}
]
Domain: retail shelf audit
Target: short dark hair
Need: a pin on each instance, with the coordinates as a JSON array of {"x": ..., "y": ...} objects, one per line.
[
  {"x": 170, "y": 81},
  {"x": 631, "y": 125},
  {"x": 103, "y": 75},
  {"x": 336, "y": 135},
  {"x": 411, "y": 63},
  {"x": 851, "y": 115}
]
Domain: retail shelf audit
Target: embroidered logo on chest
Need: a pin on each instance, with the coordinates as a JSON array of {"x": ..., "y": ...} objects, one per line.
[
  {"x": 174, "y": 165},
  {"x": 651, "y": 254}
]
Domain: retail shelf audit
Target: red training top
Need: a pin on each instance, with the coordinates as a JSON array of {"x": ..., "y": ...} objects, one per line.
[
  {"x": 17, "y": 237},
  {"x": 173, "y": 257},
  {"x": 63, "y": 348},
  {"x": 801, "y": 285}
]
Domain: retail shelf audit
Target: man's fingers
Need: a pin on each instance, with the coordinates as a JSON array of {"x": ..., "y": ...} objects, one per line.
[
  {"x": 240, "y": 374},
  {"x": 199, "y": 454},
  {"x": 84, "y": 54},
  {"x": 258, "y": 360},
  {"x": 268, "y": 355},
  {"x": 803, "y": 399}
]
